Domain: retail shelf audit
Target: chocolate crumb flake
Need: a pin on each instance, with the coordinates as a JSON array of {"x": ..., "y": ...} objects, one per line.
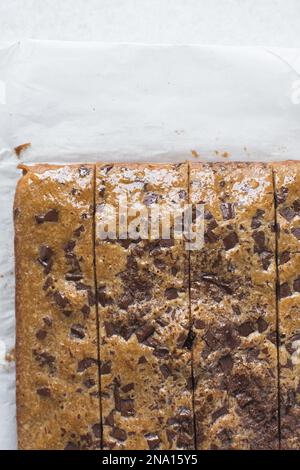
[
  {"x": 246, "y": 328},
  {"x": 86, "y": 363},
  {"x": 119, "y": 434},
  {"x": 89, "y": 383},
  {"x": 60, "y": 299},
  {"x": 230, "y": 241},
  {"x": 284, "y": 290},
  {"x": 144, "y": 332},
  {"x": 296, "y": 232},
  {"x": 96, "y": 429},
  {"x": 226, "y": 363},
  {"x": 50, "y": 216},
  {"x": 219, "y": 413},
  {"x": 77, "y": 331},
  {"x": 171, "y": 293},
  {"x": 41, "y": 334},
  {"x": 44, "y": 392},
  {"x": 153, "y": 440},
  {"x": 78, "y": 231}
]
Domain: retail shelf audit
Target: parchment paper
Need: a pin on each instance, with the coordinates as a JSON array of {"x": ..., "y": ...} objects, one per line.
[{"x": 109, "y": 102}]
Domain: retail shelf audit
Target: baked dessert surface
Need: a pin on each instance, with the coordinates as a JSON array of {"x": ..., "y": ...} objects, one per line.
[
  {"x": 233, "y": 308},
  {"x": 147, "y": 348},
  {"x": 57, "y": 350},
  {"x": 144, "y": 317},
  {"x": 287, "y": 183}
]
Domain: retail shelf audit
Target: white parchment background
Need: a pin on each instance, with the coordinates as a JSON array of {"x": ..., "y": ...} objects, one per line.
[{"x": 93, "y": 101}]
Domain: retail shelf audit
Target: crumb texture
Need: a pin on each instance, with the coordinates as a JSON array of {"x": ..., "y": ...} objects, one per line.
[
  {"x": 233, "y": 308},
  {"x": 144, "y": 317},
  {"x": 57, "y": 350}
]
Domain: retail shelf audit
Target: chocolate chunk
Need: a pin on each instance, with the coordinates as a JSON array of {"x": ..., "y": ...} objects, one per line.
[
  {"x": 106, "y": 168},
  {"x": 284, "y": 257},
  {"x": 109, "y": 329},
  {"x": 210, "y": 237},
  {"x": 188, "y": 343},
  {"x": 266, "y": 259},
  {"x": 171, "y": 293},
  {"x": 284, "y": 290},
  {"x": 218, "y": 413},
  {"x": 226, "y": 363},
  {"x": 142, "y": 360},
  {"x": 103, "y": 298},
  {"x": 45, "y": 258},
  {"x": 50, "y": 216},
  {"x": 296, "y": 206},
  {"x": 41, "y": 334},
  {"x": 78, "y": 231},
  {"x": 48, "y": 283},
  {"x": 77, "y": 331},
  {"x": 96, "y": 429},
  {"x": 119, "y": 434},
  {"x": 296, "y": 232},
  {"x": 105, "y": 368},
  {"x": 89, "y": 383},
  {"x": 86, "y": 363},
  {"x": 69, "y": 247},
  {"x": 165, "y": 371},
  {"x": 84, "y": 171},
  {"x": 144, "y": 332},
  {"x": 127, "y": 408},
  {"x": 236, "y": 309},
  {"x": 127, "y": 388},
  {"x": 44, "y": 392},
  {"x": 228, "y": 211},
  {"x": 159, "y": 263},
  {"x": 262, "y": 325},
  {"x": 212, "y": 279},
  {"x": 153, "y": 440},
  {"x": 60, "y": 299},
  {"x": 150, "y": 198},
  {"x": 182, "y": 194},
  {"x": 71, "y": 446},
  {"x": 91, "y": 298},
  {"x": 281, "y": 195},
  {"x": 110, "y": 419},
  {"x": 246, "y": 328},
  {"x": 296, "y": 285},
  {"x": 47, "y": 320},
  {"x": 45, "y": 359},
  {"x": 260, "y": 240},
  {"x": 86, "y": 311},
  {"x": 288, "y": 213},
  {"x": 230, "y": 241}
]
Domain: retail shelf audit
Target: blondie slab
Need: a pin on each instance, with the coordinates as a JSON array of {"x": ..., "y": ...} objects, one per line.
[
  {"x": 287, "y": 184},
  {"x": 144, "y": 316},
  {"x": 233, "y": 306},
  {"x": 56, "y": 348}
]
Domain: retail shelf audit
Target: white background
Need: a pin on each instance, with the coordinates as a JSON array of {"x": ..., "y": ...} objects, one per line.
[{"x": 225, "y": 22}]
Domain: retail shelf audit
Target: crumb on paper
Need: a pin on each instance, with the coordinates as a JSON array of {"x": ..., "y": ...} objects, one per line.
[
  {"x": 10, "y": 356},
  {"x": 195, "y": 154},
  {"x": 222, "y": 154},
  {"x": 21, "y": 148},
  {"x": 225, "y": 154}
]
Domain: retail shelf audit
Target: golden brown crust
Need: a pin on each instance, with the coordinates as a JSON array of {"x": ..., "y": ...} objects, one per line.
[
  {"x": 56, "y": 346},
  {"x": 144, "y": 318},
  {"x": 233, "y": 308}
]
